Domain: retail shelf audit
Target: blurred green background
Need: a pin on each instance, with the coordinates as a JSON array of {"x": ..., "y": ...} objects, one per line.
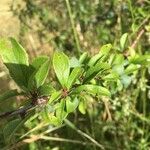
[{"x": 43, "y": 26}]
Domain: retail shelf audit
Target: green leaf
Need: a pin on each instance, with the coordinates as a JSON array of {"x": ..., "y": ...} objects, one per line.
[
  {"x": 16, "y": 60},
  {"x": 82, "y": 106},
  {"x": 61, "y": 67},
  {"x": 83, "y": 57},
  {"x": 92, "y": 89},
  {"x": 111, "y": 77},
  {"x": 119, "y": 85},
  {"x": 55, "y": 96},
  {"x": 33, "y": 68},
  {"x": 45, "y": 114},
  {"x": 102, "y": 55},
  {"x": 46, "y": 89},
  {"x": 94, "y": 70},
  {"x": 71, "y": 105},
  {"x": 118, "y": 69},
  {"x": 94, "y": 59},
  {"x": 42, "y": 73},
  {"x": 61, "y": 114},
  {"x": 74, "y": 62},
  {"x": 76, "y": 72},
  {"x": 13, "y": 126},
  {"x": 131, "y": 68},
  {"x": 9, "y": 128},
  {"x": 12, "y": 52},
  {"x": 38, "y": 61},
  {"x": 118, "y": 60},
  {"x": 104, "y": 67},
  {"x": 105, "y": 49},
  {"x": 126, "y": 80},
  {"x": 54, "y": 120},
  {"x": 123, "y": 41},
  {"x": 140, "y": 59},
  {"x": 8, "y": 94}
]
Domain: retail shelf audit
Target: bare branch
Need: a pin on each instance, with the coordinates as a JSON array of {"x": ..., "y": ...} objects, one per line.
[{"x": 20, "y": 111}]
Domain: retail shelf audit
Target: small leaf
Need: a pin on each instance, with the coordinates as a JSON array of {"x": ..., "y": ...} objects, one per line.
[
  {"x": 118, "y": 69},
  {"x": 76, "y": 72},
  {"x": 94, "y": 59},
  {"x": 61, "y": 114},
  {"x": 119, "y": 85},
  {"x": 118, "y": 60},
  {"x": 45, "y": 114},
  {"x": 55, "y": 96},
  {"x": 54, "y": 120},
  {"x": 16, "y": 60},
  {"x": 94, "y": 70},
  {"x": 83, "y": 57},
  {"x": 61, "y": 67},
  {"x": 82, "y": 106},
  {"x": 71, "y": 105},
  {"x": 111, "y": 77},
  {"x": 93, "y": 89},
  {"x": 105, "y": 49},
  {"x": 126, "y": 80},
  {"x": 101, "y": 56},
  {"x": 140, "y": 59},
  {"x": 131, "y": 68},
  {"x": 33, "y": 68},
  {"x": 74, "y": 62},
  {"x": 42, "y": 73},
  {"x": 123, "y": 41},
  {"x": 8, "y": 94},
  {"x": 13, "y": 52}
]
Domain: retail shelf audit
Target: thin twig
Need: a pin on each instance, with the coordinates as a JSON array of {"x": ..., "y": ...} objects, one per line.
[
  {"x": 73, "y": 27},
  {"x": 64, "y": 140},
  {"x": 83, "y": 134},
  {"x": 39, "y": 126},
  {"x": 20, "y": 111},
  {"x": 34, "y": 138},
  {"x": 137, "y": 39},
  {"x": 107, "y": 110},
  {"x": 140, "y": 33},
  {"x": 146, "y": 20},
  {"x": 53, "y": 129},
  {"x": 134, "y": 43}
]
